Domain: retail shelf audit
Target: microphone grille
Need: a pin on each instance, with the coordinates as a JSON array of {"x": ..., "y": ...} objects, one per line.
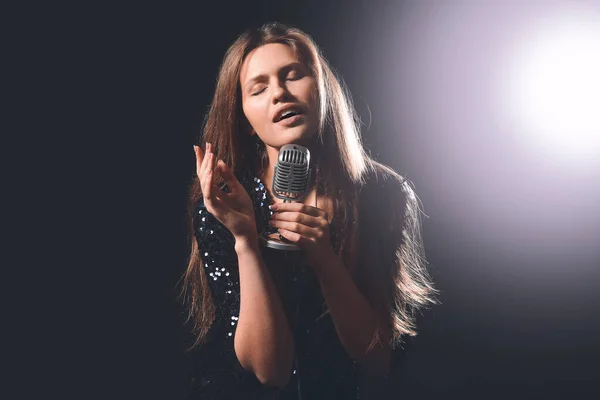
[{"x": 292, "y": 172}]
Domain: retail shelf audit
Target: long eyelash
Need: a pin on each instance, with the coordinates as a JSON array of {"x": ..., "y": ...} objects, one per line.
[{"x": 297, "y": 77}]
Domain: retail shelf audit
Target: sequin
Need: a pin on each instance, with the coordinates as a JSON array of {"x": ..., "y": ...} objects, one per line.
[{"x": 223, "y": 365}]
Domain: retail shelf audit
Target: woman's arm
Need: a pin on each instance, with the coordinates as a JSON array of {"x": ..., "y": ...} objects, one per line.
[
  {"x": 354, "y": 319},
  {"x": 263, "y": 342}
]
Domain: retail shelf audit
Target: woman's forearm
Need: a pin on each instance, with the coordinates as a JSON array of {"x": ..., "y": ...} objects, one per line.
[
  {"x": 352, "y": 315},
  {"x": 263, "y": 341}
]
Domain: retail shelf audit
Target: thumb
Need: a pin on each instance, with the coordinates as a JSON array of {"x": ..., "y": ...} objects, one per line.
[{"x": 227, "y": 175}]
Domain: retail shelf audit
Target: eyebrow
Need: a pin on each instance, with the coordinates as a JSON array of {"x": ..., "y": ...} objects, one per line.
[{"x": 262, "y": 77}]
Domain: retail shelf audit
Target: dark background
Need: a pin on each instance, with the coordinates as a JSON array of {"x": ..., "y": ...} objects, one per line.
[{"x": 125, "y": 92}]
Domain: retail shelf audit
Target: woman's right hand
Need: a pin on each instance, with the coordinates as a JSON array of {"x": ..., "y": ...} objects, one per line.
[{"x": 234, "y": 209}]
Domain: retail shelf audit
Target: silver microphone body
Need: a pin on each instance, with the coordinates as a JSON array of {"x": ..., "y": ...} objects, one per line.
[
  {"x": 292, "y": 173},
  {"x": 290, "y": 183}
]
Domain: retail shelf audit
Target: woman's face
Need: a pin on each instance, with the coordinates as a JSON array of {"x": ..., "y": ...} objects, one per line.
[{"x": 279, "y": 96}]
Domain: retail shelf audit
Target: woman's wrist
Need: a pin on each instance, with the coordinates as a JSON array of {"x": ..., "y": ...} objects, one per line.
[{"x": 246, "y": 243}]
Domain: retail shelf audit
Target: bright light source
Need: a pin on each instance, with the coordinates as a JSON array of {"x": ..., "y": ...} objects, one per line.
[{"x": 554, "y": 87}]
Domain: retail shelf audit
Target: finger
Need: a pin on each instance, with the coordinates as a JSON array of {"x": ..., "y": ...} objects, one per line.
[
  {"x": 216, "y": 176},
  {"x": 204, "y": 179},
  {"x": 292, "y": 236},
  {"x": 207, "y": 188},
  {"x": 202, "y": 167},
  {"x": 219, "y": 180},
  {"x": 303, "y": 230},
  {"x": 210, "y": 191},
  {"x": 208, "y": 164},
  {"x": 304, "y": 219},
  {"x": 299, "y": 207},
  {"x": 199, "y": 159},
  {"x": 227, "y": 175},
  {"x": 205, "y": 161}
]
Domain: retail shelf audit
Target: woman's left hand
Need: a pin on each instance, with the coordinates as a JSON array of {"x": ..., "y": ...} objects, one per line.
[{"x": 306, "y": 226}]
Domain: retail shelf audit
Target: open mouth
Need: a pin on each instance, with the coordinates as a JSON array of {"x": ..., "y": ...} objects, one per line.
[
  {"x": 291, "y": 119},
  {"x": 288, "y": 115}
]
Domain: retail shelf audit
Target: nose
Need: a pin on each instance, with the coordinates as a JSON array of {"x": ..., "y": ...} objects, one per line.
[{"x": 280, "y": 93}]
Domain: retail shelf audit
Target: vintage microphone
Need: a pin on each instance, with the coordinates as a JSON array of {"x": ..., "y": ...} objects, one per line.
[{"x": 290, "y": 183}]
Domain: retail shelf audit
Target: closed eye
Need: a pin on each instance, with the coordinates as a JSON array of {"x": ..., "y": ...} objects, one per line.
[
  {"x": 259, "y": 92},
  {"x": 294, "y": 76}
]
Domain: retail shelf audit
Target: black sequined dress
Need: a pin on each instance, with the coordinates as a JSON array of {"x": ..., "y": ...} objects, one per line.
[{"x": 322, "y": 369}]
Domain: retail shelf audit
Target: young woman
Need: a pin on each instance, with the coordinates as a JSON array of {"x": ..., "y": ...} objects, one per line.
[{"x": 322, "y": 322}]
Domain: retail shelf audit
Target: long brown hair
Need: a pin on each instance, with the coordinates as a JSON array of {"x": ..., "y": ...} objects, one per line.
[{"x": 344, "y": 169}]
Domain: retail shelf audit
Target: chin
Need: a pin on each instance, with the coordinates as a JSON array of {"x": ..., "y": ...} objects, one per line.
[{"x": 299, "y": 137}]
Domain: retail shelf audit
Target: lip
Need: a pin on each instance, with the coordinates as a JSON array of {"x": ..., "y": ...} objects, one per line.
[
  {"x": 291, "y": 120},
  {"x": 292, "y": 107}
]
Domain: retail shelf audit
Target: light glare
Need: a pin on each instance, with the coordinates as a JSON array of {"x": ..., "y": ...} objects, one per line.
[{"x": 555, "y": 89}]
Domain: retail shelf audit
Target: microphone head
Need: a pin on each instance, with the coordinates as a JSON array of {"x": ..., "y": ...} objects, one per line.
[{"x": 292, "y": 173}]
